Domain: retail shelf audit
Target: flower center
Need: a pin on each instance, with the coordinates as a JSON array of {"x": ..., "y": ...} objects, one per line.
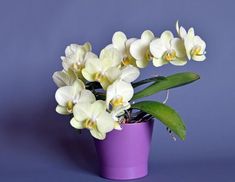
[
  {"x": 89, "y": 124},
  {"x": 77, "y": 67},
  {"x": 99, "y": 77},
  {"x": 196, "y": 51},
  {"x": 170, "y": 55},
  {"x": 69, "y": 106},
  {"x": 117, "y": 102},
  {"x": 148, "y": 54},
  {"x": 127, "y": 61}
]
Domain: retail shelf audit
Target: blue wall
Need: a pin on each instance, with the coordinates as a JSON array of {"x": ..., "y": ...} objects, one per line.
[{"x": 37, "y": 144}]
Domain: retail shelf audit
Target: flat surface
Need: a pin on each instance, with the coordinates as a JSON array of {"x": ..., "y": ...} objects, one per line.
[
  {"x": 73, "y": 158},
  {"x": 36, "y": 144}
]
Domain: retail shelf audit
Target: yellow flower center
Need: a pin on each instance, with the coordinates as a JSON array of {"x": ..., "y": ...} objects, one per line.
[
  {"x": 170, "y": 55},
  {"x": 69, "y": 106},
  {"x": 117, "y": 102},
  {"x": 148, "y": 54},
  {"x": 100, "y": 77},
  {"x": 196, "y": 51},
  {"x": 77, "y": 67},
  {"x": 127, "y": 61},
  {"x": 89, "y": 124}
]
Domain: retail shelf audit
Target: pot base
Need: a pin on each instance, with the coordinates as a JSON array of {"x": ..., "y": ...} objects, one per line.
[{"x": 126, "y": 173}]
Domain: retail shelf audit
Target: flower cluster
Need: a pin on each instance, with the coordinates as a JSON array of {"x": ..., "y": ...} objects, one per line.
[{"x": 97, "y": 89}]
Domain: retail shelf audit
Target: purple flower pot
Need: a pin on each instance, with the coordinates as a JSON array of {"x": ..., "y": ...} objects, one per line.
[{"x": 124, "y": 154}]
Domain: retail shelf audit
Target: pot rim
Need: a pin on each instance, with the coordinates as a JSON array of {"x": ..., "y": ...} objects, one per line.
[{"x": 140, "y": 123}]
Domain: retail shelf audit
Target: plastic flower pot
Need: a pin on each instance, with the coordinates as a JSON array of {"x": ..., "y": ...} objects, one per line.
[{"x": 124, "y": 154}]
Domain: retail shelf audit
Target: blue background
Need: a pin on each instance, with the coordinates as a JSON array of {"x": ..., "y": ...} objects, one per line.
[{"x": 36, "y": 144}]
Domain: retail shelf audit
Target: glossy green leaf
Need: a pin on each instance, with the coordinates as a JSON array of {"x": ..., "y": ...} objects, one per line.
[
  {"x": 169, "y": 82},
  {"x": 165, "y": 114},
  {"x": 148, "y": 80}
]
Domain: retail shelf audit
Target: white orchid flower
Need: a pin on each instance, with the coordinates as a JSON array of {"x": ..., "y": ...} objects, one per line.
[
  {"x": 105, "y": 69},
  {"x": 194, "y": 45},
  {"x": 64, "y": 78},
  {"x": 119, "y": 94},
  {"x": 68, "y": 96},
  {"x": 93, "y": 116},
  {"x": 139, "y": 49},
  {"x": 168, "y": 49},
  {"x": 76, "y": 56},
  {"x": 122, "y": 44}
]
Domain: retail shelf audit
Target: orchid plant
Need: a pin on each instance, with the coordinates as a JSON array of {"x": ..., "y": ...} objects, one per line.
[{"x": 98, "y": 91}]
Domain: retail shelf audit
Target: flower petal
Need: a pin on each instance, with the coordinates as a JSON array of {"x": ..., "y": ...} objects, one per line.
[
  {"x": 88, "y": 76},
  {"x": 97, "y": 108},
  {"x": 188, "y": 43},
  {"x": 62, "y": 110},
  {"x": 76, "y": 124},
  {"x": 110, "y": 94},
  {"x": 96, "y": 134},
  {"x": 123, "y": 89},
  {"x": 147, "y": 36},
  {"x": 81, "y": 111},
  {"x": 126, "y": 90},
  {"x": 113, "y": 73},
  {"x": 64, "y": 94},
  {"x": 177, "y": 27},
  {"x": 159, "y": 62},
  {"x": 129, "y": 73},
  {"x": 87, "y": 96},
  {"x": 129, "y": 42},
  {"x": 105, "y": 122},
  {"x": 119, "y": 39},
  {"x": 66, "y": 63},
  {"x": 180, "y": 30},
  {"x": 157, "y": 48},
  {"x": 178, "y": 62},
  {"x": 90, "y": 55},
  {"x": 142, "y": 63},
  {"x": 166, "y": 36},
  {"x": 199, "y": 58},
  {"x": 191, "y": 32},
  {"x": 110, "y": 57},
  {"x": 71, "y": 49},
  {"x": 61, "y": 78},
  {"x": 201, "y": 43},
  {"x": 138, "y": 49},
  {"x": 87, "y": 46},
  {"x": 78, "y": 85},
  {"x": 178, "y": 45},
  {"x": 92, "y": 66}
]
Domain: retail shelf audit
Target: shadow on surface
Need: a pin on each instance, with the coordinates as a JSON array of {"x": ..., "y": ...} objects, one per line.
[{"x": 43, "y": 133}]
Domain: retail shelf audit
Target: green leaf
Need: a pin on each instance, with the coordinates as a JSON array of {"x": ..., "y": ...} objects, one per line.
[
  {"x": 169, "y": 82},
  {"x": 148, "y": 80},
  {"x": 165, "y": 114}
]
